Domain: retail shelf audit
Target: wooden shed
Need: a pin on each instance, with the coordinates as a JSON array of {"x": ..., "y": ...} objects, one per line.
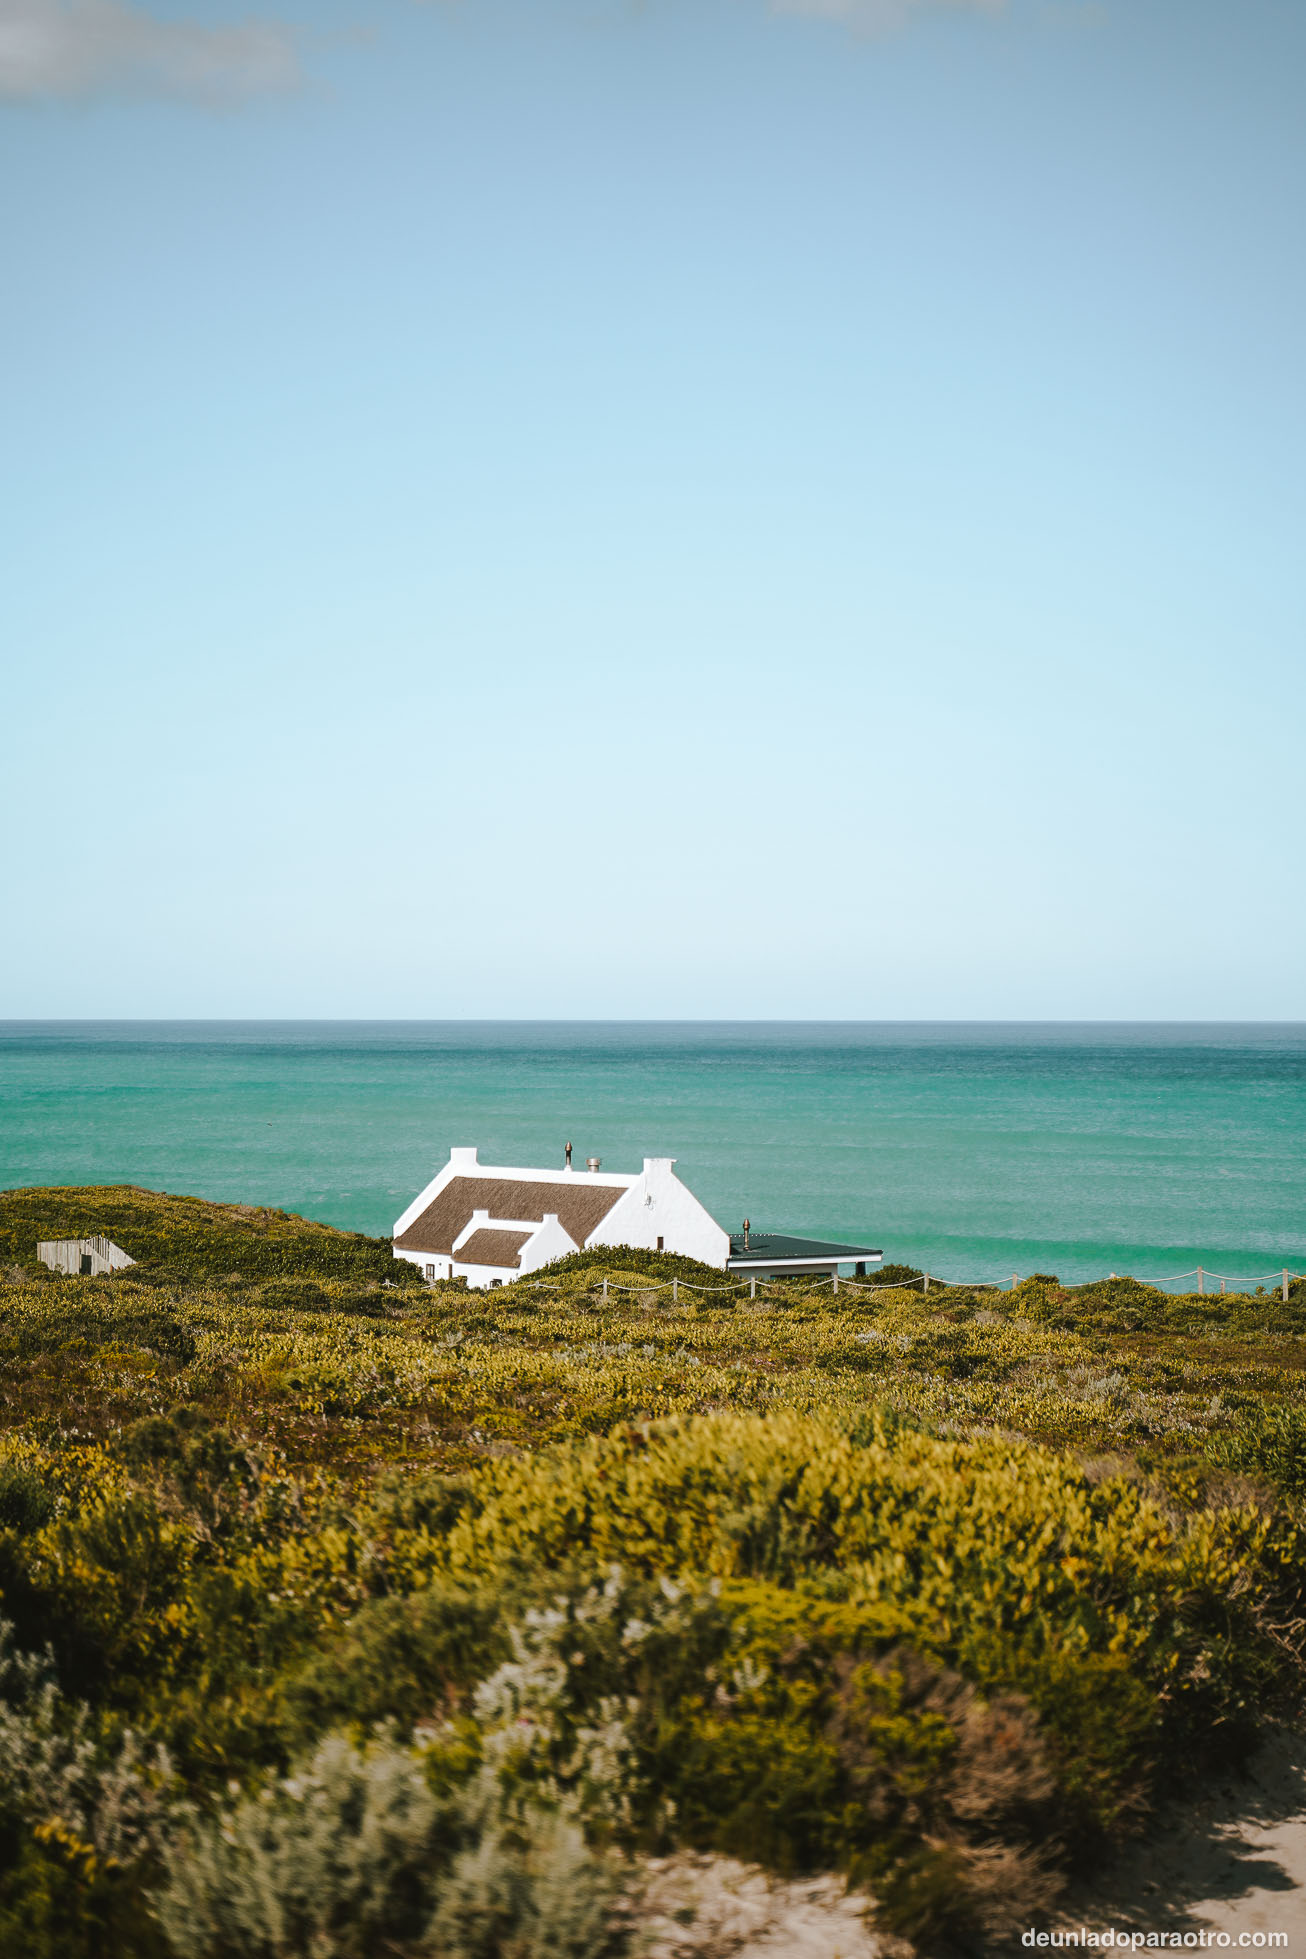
[{"x": 87, "y": 1258}]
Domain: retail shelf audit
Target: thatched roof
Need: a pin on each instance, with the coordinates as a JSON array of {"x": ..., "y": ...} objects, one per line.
[{"x": 580, "y": 1207}]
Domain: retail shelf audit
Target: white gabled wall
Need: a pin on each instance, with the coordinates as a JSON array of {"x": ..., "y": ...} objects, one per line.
[
  {"x": 549, "y": 1242},
  {"x": 658, "y": 1205}
]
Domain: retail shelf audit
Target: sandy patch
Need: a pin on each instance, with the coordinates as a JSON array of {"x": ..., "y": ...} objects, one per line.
[{"x": 714, "y": 1908}]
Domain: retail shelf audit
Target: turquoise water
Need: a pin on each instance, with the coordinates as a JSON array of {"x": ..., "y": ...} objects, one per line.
[{"x": 975, "y": 1150}]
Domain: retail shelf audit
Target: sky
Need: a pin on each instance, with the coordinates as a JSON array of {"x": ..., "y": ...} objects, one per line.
[{"x": 692, "y": 508}]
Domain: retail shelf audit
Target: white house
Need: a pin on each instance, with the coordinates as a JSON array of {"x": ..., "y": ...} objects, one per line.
[{"x": 490, "y": 1224}]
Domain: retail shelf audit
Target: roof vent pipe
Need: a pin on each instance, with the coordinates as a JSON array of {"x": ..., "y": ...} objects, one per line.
[
  {"x": 746, "y": 1230},
  {"x": 593, "y": 1162},
  {"x": 568, "y": 1154}
]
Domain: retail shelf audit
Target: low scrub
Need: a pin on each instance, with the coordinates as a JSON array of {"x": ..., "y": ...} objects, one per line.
[{"x": 354, "y": 1616}]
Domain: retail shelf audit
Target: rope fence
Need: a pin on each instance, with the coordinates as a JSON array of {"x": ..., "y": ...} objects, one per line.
[{"x": 1283, "y": 1277}]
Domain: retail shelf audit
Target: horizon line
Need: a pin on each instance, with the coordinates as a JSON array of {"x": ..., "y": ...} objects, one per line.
[{"x": 631, "y": 1020}]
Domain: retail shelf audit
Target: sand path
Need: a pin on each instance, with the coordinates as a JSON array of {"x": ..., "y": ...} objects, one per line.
[{"x": 1232, "y": 1861}]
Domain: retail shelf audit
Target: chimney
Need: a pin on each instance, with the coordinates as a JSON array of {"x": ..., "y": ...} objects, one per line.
[
  {"x": 593, "y": 1162},
  {"x": 568, "y": 1155},
  {"x": 746, "y": 1231},
  {"x": 464, "y": 1159}
]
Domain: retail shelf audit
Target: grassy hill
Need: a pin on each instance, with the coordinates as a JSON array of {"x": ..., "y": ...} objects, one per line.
[
  {"x": 187, "y": 1240},
  {"x": 941, "y": 1591}
]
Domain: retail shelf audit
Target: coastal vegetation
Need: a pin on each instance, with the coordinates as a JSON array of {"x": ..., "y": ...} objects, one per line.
[{"x": 345, "y": 1614}]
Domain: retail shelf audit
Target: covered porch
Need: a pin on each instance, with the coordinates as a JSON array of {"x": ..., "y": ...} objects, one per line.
[{"x": 775, "y": 1255}]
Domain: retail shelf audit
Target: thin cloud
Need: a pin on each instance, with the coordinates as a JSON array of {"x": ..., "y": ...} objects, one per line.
[
  {"x": 880, "y": 16},
  {"x": 52, "y": 48}
]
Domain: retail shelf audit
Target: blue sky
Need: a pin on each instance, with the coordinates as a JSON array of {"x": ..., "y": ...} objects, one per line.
[{"x": 681, "y": 509}]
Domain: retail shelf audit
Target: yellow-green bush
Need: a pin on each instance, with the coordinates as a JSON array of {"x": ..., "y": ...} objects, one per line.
[{"x": 1125, "y": 1623}]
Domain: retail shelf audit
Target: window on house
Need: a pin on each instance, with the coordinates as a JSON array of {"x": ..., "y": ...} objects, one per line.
[
  {"x": 659, "y": 1244},
  {"x": 496, "y": 1282},
  {"x": 86, "y": 1264},
  {"x": 430, "y": 1273}
]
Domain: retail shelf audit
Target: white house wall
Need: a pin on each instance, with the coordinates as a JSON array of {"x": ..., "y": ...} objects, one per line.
[
  {"x": 480, "y": 1276},
  {"x": 658, "y": 1205},
  {"x": 440, "y": 1263},
  {"x": 549, "y": 1242}
]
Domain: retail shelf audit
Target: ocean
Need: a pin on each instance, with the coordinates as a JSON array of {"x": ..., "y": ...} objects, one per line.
[{"x": 978, "y": 1151}]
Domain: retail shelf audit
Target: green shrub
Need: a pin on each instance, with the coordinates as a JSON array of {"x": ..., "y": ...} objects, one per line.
[
  {"x": 660, "y": 1266},
  {"x": 353, "y": 1853},
  {"x": 81, "y": 1825},
  {"x": 531, "y": 1889},
  {"x": 25, "y": 1502},
  {"x": 897, "y": 1275},
  {"x": 334, "y": 1858},
  {"x": 91, "y": 1315},
  {"x": 1268, "y": 1443},
  {"x": 401, "y": 1659},
  {"x": 112, "y": 1585}
]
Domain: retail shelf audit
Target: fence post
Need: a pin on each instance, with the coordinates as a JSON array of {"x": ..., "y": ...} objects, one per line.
[
  {"x": 927, "y": 1282},
  {"x": 1015, "y": 1280},
  {"x": 835, "y": 1277},
  {"x": 605, "y": 1288},
  {"x": 752, "y": 1288},
  {"x": 1201, "y": 1281},
  {"x": 1285, "y": 1285},
  {"x": 674, "y": 1292}
]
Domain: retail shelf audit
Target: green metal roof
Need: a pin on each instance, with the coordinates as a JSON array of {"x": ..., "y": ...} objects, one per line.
[{"x": 766, "y": 1247}]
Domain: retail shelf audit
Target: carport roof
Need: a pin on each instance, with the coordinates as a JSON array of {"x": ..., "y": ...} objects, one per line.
[{"x": 775, "y": 1248}]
